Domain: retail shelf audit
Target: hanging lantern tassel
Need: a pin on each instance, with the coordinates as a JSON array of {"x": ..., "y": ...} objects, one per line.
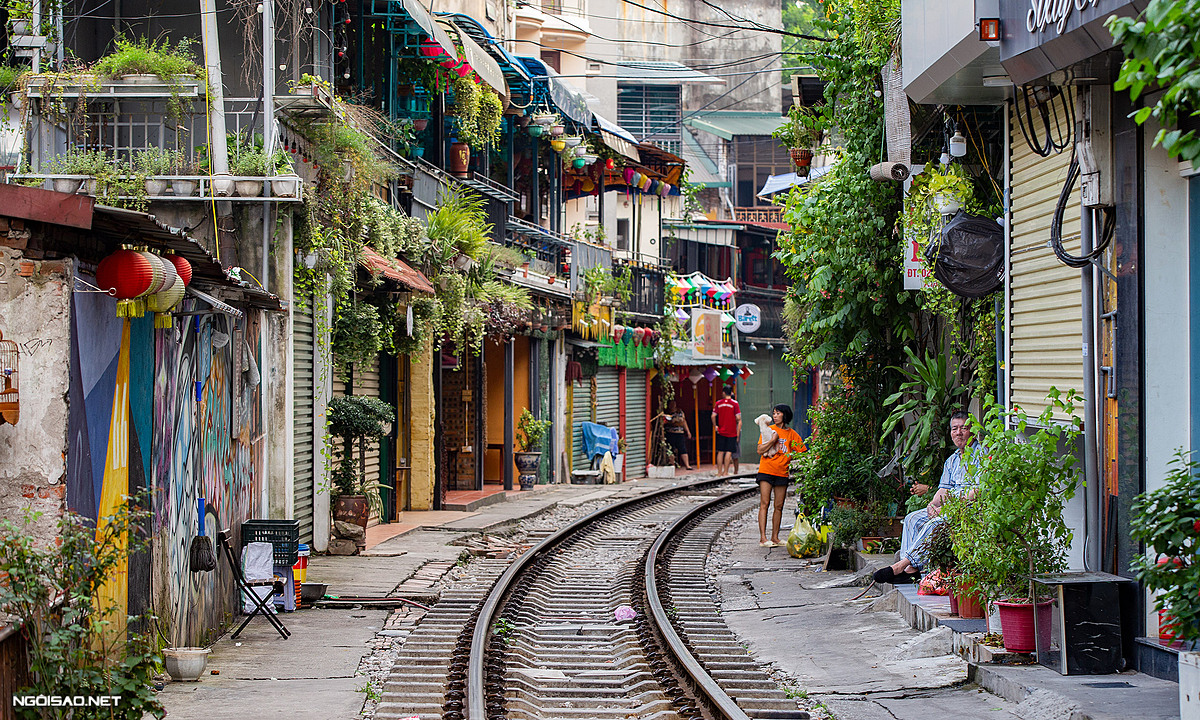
[
  {"x": 163, "y": 302},
  {"x": 127, "y": 275}
]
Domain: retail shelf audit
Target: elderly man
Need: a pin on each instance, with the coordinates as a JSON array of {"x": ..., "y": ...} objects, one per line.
[{"x": 919, "y": 524}]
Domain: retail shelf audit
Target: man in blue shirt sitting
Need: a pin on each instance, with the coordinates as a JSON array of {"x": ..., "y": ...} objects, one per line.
[{"x": 919, "y": 524}]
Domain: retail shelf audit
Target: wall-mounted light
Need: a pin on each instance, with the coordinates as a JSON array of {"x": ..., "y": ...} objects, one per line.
[{"x": 989, "y": 29}]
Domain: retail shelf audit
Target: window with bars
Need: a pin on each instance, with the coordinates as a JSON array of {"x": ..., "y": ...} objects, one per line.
[{"x": 651, "y": 112}]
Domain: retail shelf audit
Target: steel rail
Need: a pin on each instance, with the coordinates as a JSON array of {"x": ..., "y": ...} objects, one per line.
[
  {"x": 707, "y": 686},
  {"x": 475, "y": 705}
]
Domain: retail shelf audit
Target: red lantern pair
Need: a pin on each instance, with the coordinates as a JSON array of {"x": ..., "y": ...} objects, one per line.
[{"x": 131, "y": 276}]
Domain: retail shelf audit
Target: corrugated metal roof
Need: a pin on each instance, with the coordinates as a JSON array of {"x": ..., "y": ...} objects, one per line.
[
  {"x": 394, "y": 269},
  {"x": 131, "y": 226},
  {"x": 650, "y": 72},
  {"x": 728, "y": 124},
  {"x": 702, "y": 170}
]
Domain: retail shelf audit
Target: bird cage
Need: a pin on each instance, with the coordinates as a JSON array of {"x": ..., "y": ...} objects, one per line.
[{"x": 10, "y": 402}]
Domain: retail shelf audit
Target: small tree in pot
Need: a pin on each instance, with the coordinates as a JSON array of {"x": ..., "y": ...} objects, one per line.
[
  {"x": 531, "y": 435},
  {"x": 1014, "y": 528},
  {"x": 356, "y": 418}
]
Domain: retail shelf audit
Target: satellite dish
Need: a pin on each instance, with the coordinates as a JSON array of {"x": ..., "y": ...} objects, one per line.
[{"x": 968, "y": 255}]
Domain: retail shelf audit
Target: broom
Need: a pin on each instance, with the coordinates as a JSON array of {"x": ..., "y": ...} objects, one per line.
[{"x": 201, "y": 557}]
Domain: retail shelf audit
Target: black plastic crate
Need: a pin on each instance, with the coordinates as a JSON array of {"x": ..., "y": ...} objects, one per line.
[{"x": 284, "y": 536}]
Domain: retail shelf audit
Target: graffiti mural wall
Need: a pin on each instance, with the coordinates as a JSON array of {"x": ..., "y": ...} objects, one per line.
[{"x": 177, "y": 410}]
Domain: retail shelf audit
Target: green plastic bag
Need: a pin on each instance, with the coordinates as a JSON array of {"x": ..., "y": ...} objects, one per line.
[{"x": 804, "y": 541}]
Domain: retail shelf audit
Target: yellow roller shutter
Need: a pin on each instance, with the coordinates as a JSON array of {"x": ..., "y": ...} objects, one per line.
[{"x": 1045, "y": 324}]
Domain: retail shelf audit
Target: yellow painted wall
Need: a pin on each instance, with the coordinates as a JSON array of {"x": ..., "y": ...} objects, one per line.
[
  {"x": 423, "y": 409},
  {"x": 496, "y": 410}
]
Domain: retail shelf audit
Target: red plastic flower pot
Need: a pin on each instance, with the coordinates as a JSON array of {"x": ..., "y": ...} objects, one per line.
[{"x": 1016, "y": 622}]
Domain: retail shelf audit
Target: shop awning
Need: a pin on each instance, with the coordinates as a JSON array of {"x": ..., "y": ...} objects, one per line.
[
  {"x": 617, "y": 137},
  {"x": 516, "y": 76},
  {"x": 722, "y": 235},
  {"x": 661, "y": 72},
  {"x": 394, "y": 269},
  {"x": 481, "y": 62},
  {"x": 786, "y": 181},
  {"x": 728, "y": 124},
  {"x": 683, "y": 358},
  {"x": 425, "y": 21},
  {"x": 569, "y": 101}
]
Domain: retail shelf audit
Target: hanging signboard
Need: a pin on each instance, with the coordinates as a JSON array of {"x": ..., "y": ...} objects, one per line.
[
  {"x": 706, "y": 334},
  {"x": 748, "y": 317},
  {"x": 916, "y": 272}
]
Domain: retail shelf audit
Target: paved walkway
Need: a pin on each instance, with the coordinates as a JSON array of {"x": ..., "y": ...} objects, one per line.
[{"x": 861, "y": 659}]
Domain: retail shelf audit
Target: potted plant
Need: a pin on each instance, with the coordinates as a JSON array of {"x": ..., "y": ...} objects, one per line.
[
  {"x": 76, "y": 167},
  {"x": 141, "y": 60},
  {"x": 1167, "y": 521},
  {"x": 1013, "y": 529},
  {"x": 20, "y": 16},
  {"x": 182, "y": 186},
  {"x": 531, "y": 434},
  {"x": 356, "y": 418},
  {"x": 801, "y": 132},
  {"x": 247, "y": 162},
  {"x": 153, "y": 163},
  {"x": 285, "y": 183}
]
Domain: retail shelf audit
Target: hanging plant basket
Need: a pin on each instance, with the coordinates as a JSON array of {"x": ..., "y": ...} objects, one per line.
[{"x": 801, "y": 157}]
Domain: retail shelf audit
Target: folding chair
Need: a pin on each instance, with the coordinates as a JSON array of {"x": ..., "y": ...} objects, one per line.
[{"x": 247, "y": 587}]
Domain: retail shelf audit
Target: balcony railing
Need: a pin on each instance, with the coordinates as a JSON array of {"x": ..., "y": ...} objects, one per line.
[{"x": 759, "y": 215}]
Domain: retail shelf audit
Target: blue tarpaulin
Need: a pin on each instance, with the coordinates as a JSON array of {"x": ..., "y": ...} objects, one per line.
[{"x": 598, "y": 439}]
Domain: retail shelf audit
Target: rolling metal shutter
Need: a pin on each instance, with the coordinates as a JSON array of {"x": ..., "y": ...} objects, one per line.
[
  {"x": 581, "y": 412},
  {"x": 302, "y": 418},
  {"x": 608, "y": 397},
  {"x": 1045, "y": 336},
  {"x": 635, "y": 423}
]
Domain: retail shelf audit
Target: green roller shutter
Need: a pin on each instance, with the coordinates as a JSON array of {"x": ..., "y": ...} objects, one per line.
[
  {"x": 635, "y": 423},
  {"x": 581, "y": 412},
  {"x": 302, "y": 418}
]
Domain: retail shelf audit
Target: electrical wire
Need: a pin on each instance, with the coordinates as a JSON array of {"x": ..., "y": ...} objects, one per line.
[
  {"x": 1106, "y": 235},
  {"x": 1056, "y": 138},
  {"x": 763, "y": 28}
]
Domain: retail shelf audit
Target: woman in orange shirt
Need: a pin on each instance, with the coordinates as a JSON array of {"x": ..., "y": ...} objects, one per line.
[{"x": 773, "y": 471}]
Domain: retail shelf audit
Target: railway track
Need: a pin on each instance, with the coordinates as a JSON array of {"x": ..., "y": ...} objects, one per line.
[{"x": 541, "y": 639}]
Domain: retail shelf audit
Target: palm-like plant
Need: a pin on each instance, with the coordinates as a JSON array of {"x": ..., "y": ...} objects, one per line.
[{"x": 930, "y": 394}]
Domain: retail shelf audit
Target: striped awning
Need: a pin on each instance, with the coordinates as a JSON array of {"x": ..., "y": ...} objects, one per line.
[{"x": 425, "y": 21}]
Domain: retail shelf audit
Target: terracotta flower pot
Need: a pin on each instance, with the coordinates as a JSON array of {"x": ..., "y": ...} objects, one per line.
[
  {"x": 1016, "y": 622},
  {"x": 968, "y": 604},
  {"x": 353, "y": 509},
  {"x": 460, "y": 158},
  {"x": 802, "y": 157}
]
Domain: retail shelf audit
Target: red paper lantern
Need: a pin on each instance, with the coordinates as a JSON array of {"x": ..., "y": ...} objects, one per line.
[
  {"x": 610, "y": 163},
  {"x": 127, "y": 275},
  {"x": 639, "y": 336},
  {"x": 182, "y": 266}
]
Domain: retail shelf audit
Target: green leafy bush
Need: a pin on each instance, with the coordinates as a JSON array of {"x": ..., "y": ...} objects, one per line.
[
  {"x": 1167, "y": 520},
  {"x": 76, "y": 644},
  {"x": 1160, "y": 52},
  {"x": 357, "y": 418},
  {"x": 532, "y": 432},
  {"x": 142, "y": 56},
  {"x": 929, "y": 394}
]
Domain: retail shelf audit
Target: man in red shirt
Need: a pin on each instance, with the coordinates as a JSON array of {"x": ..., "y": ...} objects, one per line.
[{"x": 727, "y": 419}]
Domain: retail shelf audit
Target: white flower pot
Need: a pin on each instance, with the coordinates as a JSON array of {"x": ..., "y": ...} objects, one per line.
[
  {"x": 141, "y": 79},
  {"x": 154, "y": 186},
  {"x": 222, "y": 185},
  {"x": 20, "y": 26},
  {"x": 946, "y": 204},
  {"x": 183, "y": 188},
  {"x": 1189, "y": 686},
  {"x": 185, "y": 664},
  {"x": 248, "y": 188},
  {"x": 67, "y": 185},
  {"x": 285, "y": 186}
]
